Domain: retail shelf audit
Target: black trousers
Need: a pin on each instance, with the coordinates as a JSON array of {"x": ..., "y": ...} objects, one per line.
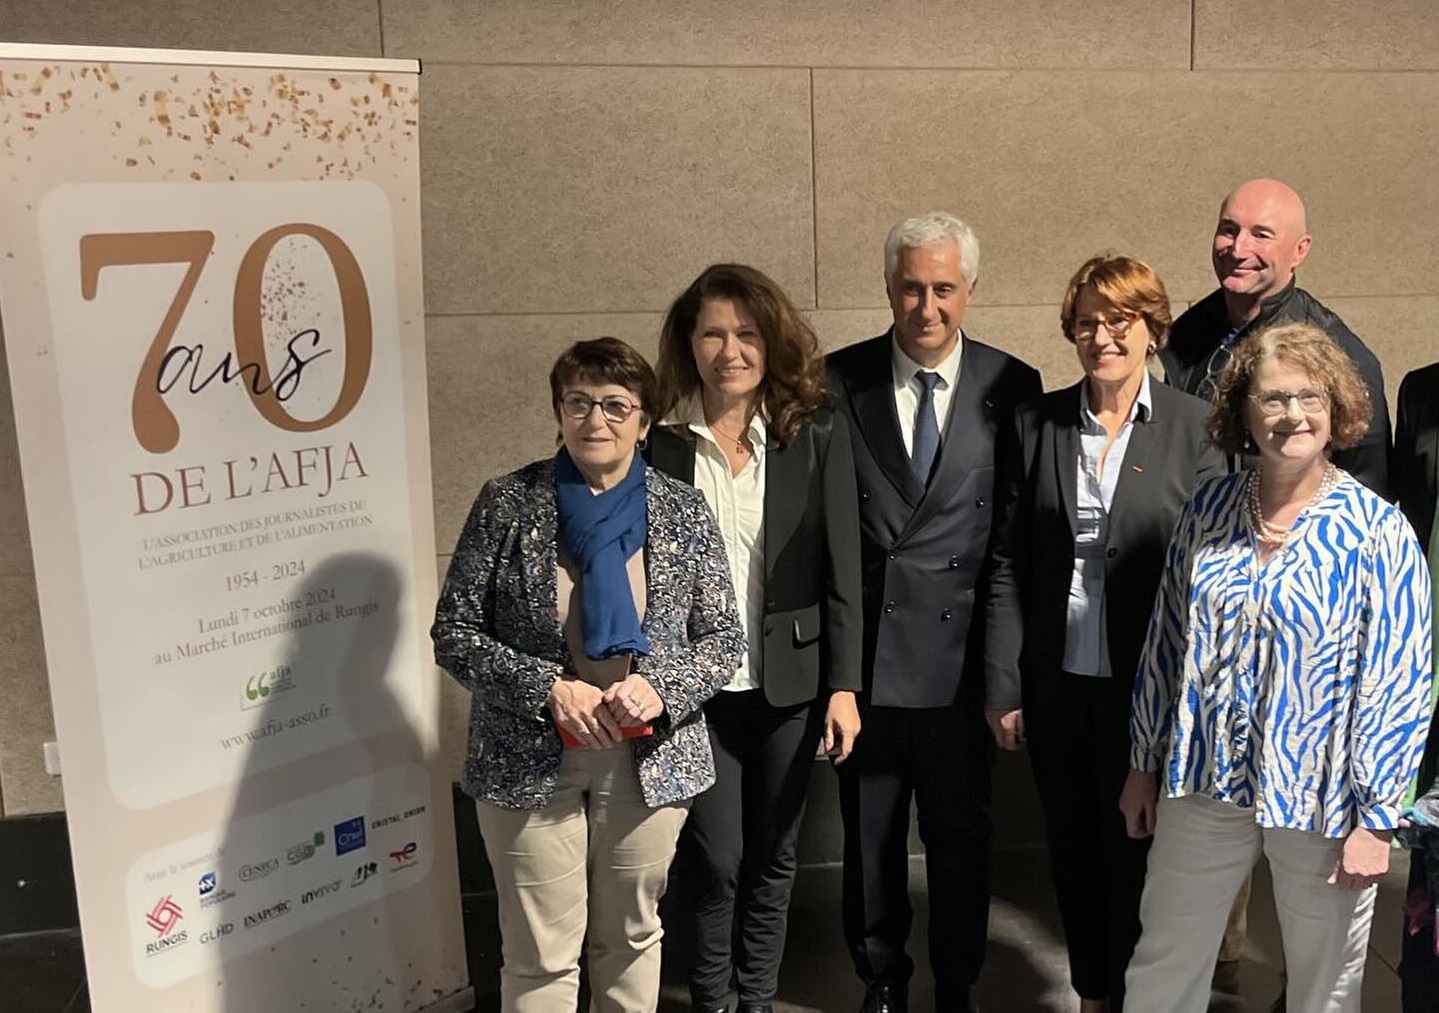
[
  {"x": 941, "y": 758},
  {"x": 1078, "y": 732},
  {"x": 1418, "y": 965},
  {"x": 738, "y": 846}
]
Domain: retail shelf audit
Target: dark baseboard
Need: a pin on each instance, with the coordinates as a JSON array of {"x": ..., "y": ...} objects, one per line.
[{"x": 37, "y": 885}]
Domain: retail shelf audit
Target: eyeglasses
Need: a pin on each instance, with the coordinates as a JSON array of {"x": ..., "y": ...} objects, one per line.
[
  {"x": 1208, "y": 388},
  {"x": 614, "y": 408},
  {"x": 1087, "y": 328},
  {"x": 1276, "y": 402}
]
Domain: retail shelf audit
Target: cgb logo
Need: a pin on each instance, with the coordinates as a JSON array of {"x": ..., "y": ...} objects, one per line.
[
  {"x": 164, "y": 916},
  {"x": 305, "y": 850}
]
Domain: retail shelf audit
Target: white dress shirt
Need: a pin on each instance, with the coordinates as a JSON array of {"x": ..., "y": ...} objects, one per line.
[
  {"x": 737, "y": 501},
  {"x": 1086, "y": 635},
  {"x": 907, "y": 390}
]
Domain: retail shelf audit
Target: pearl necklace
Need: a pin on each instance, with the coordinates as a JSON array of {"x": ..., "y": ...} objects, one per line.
[{"x": 1273, "y": 534}]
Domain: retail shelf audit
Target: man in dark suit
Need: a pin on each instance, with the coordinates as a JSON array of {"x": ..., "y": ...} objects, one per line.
[
  {"x": 1259, "y": 242},
  {"x": 924, "y": 402},
  {"x": 1415, "y": 473}
]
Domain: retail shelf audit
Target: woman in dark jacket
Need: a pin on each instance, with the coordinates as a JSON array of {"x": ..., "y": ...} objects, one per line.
[
  {"x": 1094, "y": 478},
  {"x": 742, "y": 396}
]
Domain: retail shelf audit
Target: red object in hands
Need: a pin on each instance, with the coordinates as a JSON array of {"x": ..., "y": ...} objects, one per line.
[{"x": 637, "y": 732}]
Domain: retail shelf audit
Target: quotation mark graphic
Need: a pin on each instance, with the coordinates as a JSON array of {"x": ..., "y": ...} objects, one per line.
[{"x": 164, "y": 916}]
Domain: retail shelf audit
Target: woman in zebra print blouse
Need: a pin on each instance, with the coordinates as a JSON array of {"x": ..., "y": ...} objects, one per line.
[{"x": 1282, "y": 698}]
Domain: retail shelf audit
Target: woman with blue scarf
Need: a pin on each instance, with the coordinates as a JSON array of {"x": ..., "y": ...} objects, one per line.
[{"x": 588, "y": 609}]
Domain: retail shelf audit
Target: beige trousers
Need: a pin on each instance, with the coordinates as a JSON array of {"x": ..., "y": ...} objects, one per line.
[
  {"x": 1236, "y": 928},
  {"x": 594, "y": 861},
  {"x": 1203, "y": 850}
]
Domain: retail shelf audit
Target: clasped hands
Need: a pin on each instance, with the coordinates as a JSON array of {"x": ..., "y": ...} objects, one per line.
[{"x": 597, "y": 717}]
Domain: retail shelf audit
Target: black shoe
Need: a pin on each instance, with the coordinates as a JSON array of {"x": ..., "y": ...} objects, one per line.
[
  {"x": 712, "y": 1007},
  {"x": 885, "y": 999},
  {"x": 755, "y": 1007}
]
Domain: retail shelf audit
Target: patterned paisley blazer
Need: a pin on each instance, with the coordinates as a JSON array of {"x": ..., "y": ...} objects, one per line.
[{"x": 497, "y": 631}]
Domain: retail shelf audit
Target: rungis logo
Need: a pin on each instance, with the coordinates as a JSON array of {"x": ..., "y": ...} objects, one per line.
[{"x": 165, "y": 918}]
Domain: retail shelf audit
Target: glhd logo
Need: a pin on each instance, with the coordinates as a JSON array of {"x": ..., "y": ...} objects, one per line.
[
  {"x": 217, "y": 933},
  {"x": 350, "y": 835}
]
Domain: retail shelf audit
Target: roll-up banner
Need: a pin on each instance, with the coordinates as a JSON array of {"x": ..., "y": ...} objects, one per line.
[{"x": 210, "y": 288}]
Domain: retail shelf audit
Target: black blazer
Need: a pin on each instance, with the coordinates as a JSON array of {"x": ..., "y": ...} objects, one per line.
[
  {"x": 1198, "y": 330},
  {"x": 1033, "y": 548},
  {"x": 1414, "y": 474},
  {"x": 923, "y": 549},
  {"x": 1415, "y": 469},
  {"x": 812, "y": 620}
]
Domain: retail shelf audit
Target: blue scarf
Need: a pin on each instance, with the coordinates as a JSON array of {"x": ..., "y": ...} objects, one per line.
[{"x": 600, "y": 532}]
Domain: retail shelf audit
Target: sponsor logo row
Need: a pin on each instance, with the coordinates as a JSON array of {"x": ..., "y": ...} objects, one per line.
[{"x": 167, "y": 915}]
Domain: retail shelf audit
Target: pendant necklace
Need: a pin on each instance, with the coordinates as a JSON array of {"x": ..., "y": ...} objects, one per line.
[{"x": 739, "y": 441}]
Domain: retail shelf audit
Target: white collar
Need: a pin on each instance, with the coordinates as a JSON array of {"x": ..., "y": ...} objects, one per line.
[
  {"x": 1142, "y": 409},
  {"x": 905, "y": 368},
  {"x": 690, "y": 412}
]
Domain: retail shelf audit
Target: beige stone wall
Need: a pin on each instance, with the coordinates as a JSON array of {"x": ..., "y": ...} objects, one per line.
[{"x": 583, "y": 159}]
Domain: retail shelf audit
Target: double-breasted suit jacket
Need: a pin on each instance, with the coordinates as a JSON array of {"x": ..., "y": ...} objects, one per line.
[{"x": 923, "y": 548}]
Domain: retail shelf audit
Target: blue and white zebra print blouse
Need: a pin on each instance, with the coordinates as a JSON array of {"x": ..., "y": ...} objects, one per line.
[{"x": 1298, "y": 688}]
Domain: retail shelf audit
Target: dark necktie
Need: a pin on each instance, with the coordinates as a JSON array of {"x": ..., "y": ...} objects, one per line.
[{"x": 926, "y": 426}]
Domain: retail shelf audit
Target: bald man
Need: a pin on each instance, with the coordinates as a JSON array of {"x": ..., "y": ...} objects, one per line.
[{"x": 1260, "y": 241}]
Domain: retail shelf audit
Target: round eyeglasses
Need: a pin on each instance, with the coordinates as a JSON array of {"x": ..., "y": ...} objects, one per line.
[
  {"x": 1276, "y": 402},
  {"x": 1087, "y": 328},
  {"x": 614, "y": 408}
]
